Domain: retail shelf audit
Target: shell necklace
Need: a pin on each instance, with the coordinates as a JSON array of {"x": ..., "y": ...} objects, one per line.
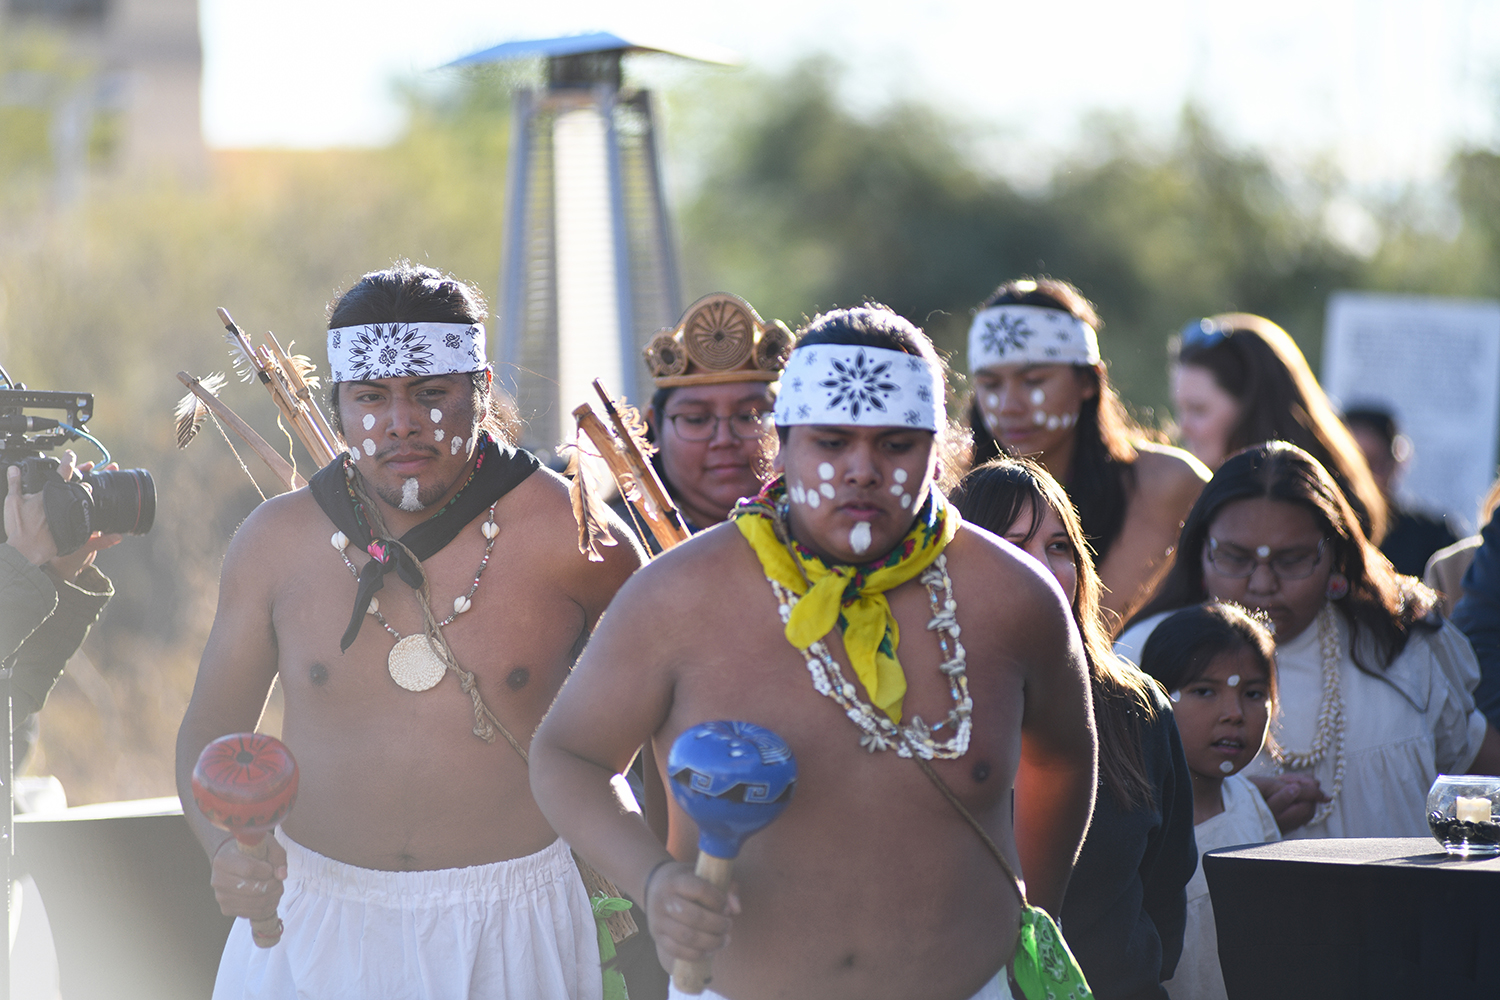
[
  {"x": 1331, "y": 721},
  {"x": 412, "y": 662},
  {"x": 914, "y": 737}
]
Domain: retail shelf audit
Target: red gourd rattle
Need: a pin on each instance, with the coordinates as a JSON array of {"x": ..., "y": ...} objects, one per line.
[{"x": 246, "y": 783}]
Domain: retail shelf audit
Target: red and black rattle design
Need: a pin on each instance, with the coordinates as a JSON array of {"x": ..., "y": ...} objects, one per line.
[{"x": 246, "y": 783}]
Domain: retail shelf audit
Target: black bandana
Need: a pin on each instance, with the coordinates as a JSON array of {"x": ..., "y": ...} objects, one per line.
[{"x": 497, "y": 472}]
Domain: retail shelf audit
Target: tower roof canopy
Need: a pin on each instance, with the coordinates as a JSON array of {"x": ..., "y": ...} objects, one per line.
[{"x": 590, "y": 42}]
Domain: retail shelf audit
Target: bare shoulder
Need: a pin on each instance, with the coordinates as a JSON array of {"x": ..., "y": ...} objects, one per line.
[
  {"x": 282, "y": 523},
  {"x": 700, "y": 570},
  {"x": 538, "y": 513},
  {"x": 1164, "y": 474},
  {"x": 997, "y": 579}
]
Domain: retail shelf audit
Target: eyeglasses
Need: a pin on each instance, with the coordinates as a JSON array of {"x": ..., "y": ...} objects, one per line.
[
  {"x": 1288, "y": 564},
  {"x": 748, "y": 426},
  {"x": 1203, "y": 333}
]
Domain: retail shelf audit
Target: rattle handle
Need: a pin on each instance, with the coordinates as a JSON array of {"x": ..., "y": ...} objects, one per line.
[
  {"x": 267, "y": 930},
  {"x": 691, "y": 977}
]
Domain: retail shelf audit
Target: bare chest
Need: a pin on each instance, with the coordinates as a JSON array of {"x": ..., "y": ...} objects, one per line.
[
  {"x": 516, "y": 631},
  {"x": 750, "y": 671}
]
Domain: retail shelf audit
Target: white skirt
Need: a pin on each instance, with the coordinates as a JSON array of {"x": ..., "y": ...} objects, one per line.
[{"x": 520, "y": 929}]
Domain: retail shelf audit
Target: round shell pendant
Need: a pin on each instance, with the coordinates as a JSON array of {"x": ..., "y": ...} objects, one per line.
[{"x": 414, "y": 665}]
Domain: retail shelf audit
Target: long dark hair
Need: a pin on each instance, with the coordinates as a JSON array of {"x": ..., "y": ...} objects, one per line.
[
  {"x": 1381, "y": 607},
  {"x": 1180, "y": 649},
  {"x": 1100, "y": 475},
  {"x": 1008, "y": 491},
  {"x": 1260, "y": 365}
]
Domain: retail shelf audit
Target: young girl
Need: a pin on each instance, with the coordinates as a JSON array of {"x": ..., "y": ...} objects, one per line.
[
  {"x": 1124, "y": 906},
  {"x": 1217, "y": 662},
  {"x": 1042, "y": 390}
]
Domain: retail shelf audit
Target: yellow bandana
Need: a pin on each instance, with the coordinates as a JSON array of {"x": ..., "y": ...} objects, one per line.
[{"x": 850, "y": 597}]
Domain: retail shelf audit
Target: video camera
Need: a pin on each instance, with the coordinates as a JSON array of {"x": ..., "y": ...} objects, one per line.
[{"x": 114, "y": 502}]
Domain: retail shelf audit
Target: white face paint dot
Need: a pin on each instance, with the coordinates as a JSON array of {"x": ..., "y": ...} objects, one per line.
[
  {"x": 409, "y": 499},
  {"x": 369, "y": 446},
  {"x": 369, "y": 421},
  {"x": 859, "y": 537},
  {"x": 992, "y": 401},
  {"x": 437, "y": 433},
  {"x": 436, "y": 415},
  {"x": 454, "y": 444},
  {"x": 826, "y": 489},
  {"x": 1039, "y": 418},
  {"x": 1038, "y": 397},
  {"x": 1263, "y": 551},
  {"x": 1054, "y": 422},
  {"x": 899, "y": 475},
  {"x": 905, "y": 500},
  {"x": 1234, "y": 680},
  {"x": 1226, "y": 766},
  {"x": 896, "y": 490},
  {"x": 813, "y": 500},
  {"x": 825, "y": 471},
  {"x": 991, "y": 421},
  {"x": 1176, "y": 696}
]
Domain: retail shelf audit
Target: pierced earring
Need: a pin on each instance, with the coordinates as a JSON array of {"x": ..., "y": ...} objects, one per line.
[{"x": 1338, "y": 586}]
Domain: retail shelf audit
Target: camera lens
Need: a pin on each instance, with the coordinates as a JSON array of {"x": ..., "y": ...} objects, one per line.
[{"x": 124, "y": 501}]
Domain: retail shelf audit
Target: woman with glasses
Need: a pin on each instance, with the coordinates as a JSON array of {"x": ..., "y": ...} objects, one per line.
[
  {"x": 1041, "y": 390},
  {"x": 710, "y": 418},
  {"x": 1376, "y": 689},
  {"x": 1239, "y": 379}
]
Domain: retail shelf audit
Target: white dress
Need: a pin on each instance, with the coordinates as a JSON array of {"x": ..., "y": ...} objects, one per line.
[
  {"x": 1404, "y": 728},
  {"x": 1246, "y": 819}
]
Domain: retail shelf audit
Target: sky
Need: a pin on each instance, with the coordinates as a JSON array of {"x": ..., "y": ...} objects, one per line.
[{"x": 1385, "y": 88}]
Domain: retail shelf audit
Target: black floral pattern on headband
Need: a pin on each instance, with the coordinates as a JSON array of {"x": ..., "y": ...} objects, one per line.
[
  {"x": 388, "y": 350},
  {"x": 859, "y": 385},
  {"x": 1004, "y": 334}
]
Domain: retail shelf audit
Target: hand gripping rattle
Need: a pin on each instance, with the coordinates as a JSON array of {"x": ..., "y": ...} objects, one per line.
[
  {"x": 732, "y": 778},
  {"x": 246, "y": 783}
]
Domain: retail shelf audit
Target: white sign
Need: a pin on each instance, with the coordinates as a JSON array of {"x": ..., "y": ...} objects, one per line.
[{"x": 1435, "y": 365}]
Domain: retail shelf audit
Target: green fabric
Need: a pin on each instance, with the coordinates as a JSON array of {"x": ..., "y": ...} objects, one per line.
[
  {"x": 1044, "y": 967},
  {"x": 614, "y": 980}
]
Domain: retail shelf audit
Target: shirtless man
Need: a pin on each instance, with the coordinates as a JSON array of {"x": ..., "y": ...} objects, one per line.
[
  {"x": 404, "y": 785},
  {"x": 870, "y": 884}
]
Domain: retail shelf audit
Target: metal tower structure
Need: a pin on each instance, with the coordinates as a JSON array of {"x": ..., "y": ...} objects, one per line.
[{"x": 588, "y": 272}]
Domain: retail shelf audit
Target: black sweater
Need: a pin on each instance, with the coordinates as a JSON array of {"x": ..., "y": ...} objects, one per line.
[{"x": 1126, "y": 906}]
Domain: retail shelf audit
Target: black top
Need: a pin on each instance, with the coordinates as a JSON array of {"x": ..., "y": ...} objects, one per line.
[
  {"x": 1126, "y": 905},
  {"x": 1412, "y": 539}
]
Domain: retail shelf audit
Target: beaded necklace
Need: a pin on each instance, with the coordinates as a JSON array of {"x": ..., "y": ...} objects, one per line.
[
  {"x": 913, "y": 737},
  {"x": 1331, "y": 722},
  {"x": 412, "y": 663}
]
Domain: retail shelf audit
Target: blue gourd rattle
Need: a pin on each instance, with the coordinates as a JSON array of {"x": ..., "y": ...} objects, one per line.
[{"x": 732, "y": 778}]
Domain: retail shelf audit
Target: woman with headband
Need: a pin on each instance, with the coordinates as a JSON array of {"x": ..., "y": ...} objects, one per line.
[{"x": 1041, "y": 389}]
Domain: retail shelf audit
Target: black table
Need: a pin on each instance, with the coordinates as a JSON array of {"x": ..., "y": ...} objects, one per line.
[{"x": 1357, "y": 919}]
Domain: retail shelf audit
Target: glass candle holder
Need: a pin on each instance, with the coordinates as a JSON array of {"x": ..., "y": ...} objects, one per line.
[{"x": 1463, "y": 812}]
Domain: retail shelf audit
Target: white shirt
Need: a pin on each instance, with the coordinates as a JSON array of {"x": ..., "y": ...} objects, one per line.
[{"x": 1246, "y": 819}]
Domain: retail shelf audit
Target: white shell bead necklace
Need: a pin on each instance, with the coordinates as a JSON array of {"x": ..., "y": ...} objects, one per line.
[
  {"x": 914, "y": 737},
  {"x": 1331, "y": 721},
  {"x": 412, "y": 663}
]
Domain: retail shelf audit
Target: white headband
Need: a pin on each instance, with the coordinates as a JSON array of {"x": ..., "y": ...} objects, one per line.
[
  {"x": 845, "y": 385},
  {"x": 1030, "y": 335},
  {"x": 401, "y": 350}
]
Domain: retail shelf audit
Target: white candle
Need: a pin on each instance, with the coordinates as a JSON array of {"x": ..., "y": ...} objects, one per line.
[{"x": 1475, "y": 810}]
